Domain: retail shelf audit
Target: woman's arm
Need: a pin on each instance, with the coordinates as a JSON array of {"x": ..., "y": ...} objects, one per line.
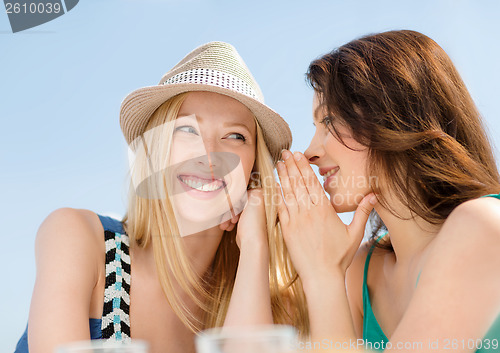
[
  {"x": 67, "y": 269},
  {"x": 251, "y": 299}
]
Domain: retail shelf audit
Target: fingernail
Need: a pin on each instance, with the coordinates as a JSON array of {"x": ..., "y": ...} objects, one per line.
[
  {"x": 373, "y": 199},
  {"x": 285, "y": 154},
  {"x": 280, "y": 165},
  {"x": 297, "y": 156}
]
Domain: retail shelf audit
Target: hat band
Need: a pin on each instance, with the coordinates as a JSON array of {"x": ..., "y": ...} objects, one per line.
[{"x": 214, "y": 78}]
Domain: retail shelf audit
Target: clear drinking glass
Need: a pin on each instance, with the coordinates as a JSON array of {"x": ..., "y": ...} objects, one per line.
[
  {"x": 103, "y": 346},
  {"x": 255, "y": 339}
]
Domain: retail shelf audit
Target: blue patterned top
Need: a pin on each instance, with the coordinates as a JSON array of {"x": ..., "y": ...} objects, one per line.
[{"x": 115, "y": 322}]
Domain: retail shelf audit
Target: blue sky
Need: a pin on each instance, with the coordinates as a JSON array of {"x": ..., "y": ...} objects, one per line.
[{"x": 62, "y": 84}]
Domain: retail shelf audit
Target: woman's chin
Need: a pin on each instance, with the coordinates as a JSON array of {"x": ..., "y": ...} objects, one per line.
[
  {"x": 343, "y": 204},
  {"x": 199, "y": 214},
  {"x": 343, "y": 208},
  {"x": 194, "y": 223}
]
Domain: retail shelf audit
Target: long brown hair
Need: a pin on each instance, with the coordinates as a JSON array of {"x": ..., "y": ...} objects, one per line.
[{"x": 401, "y": 96}]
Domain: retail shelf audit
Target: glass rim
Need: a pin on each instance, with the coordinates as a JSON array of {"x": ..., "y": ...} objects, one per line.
[
  {"x": 102, "y": 343},
  {"x": 259, "y": 331}
]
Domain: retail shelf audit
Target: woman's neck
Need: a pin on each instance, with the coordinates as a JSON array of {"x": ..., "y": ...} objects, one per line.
[
  {"x": 409, "y": 235},
  {"x": 200, "y": 249}
]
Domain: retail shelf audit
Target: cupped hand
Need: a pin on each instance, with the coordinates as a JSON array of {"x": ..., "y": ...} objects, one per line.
[
  {"x": 252, "y": 229},
  {"x": 319, "y": 243}
]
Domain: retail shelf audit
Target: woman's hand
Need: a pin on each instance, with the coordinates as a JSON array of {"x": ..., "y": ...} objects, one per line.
[
  {"x": 252, "y": 221},
  {"x": 251, "y": 299},
  {"x": 319, "y": 243}
]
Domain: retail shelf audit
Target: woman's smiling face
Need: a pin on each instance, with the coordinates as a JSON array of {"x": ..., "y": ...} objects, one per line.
[
  {"x": 211, "y": 159},
  {"x": 342, "y": 165}
]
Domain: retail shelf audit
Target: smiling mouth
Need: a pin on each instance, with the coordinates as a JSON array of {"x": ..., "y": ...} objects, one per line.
[
  {"x": 200, "y": 184},
  {"x": 330, "y": 173}
]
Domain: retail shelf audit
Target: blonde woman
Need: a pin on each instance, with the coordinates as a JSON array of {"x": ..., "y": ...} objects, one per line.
[{"x": 184, "y": 257}]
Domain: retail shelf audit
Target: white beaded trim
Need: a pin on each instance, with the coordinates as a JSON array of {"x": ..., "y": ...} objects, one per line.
[{"x": 214, "y": 78}]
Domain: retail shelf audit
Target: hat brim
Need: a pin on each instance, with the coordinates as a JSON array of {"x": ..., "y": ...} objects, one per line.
[{"x": 138, "y": 107}]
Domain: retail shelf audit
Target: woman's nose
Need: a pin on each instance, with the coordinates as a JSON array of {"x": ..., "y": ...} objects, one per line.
[
  {"x": 313, "y": 152},
  {"x": 214, "y": 154}
]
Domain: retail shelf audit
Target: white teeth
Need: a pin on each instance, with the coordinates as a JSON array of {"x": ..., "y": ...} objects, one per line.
[
  {"x": 214, "y": 185},
  {"x": 329, "y": 173}
]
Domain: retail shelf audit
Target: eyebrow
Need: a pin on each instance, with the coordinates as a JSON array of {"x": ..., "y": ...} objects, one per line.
[
  {"x": 231, "y": 124},
  {"x": 191, "y": 116}
]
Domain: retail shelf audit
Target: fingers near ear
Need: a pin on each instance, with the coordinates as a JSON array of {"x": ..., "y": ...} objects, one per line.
[{"x": 361, "y": 215}]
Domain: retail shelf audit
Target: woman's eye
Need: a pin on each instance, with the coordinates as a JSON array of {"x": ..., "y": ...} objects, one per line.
[
  {"x": 236, "y": 136},
  {"x": 187, "y": 129},
  {"x": 327, "y": 120}
]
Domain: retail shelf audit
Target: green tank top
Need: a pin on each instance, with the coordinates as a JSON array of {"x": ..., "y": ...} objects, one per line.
[{"x": 376, "y": 339}]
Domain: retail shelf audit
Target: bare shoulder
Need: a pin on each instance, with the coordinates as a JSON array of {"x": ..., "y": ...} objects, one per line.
[
  {"x": 471, "y": 233},
  {"x": 67, "y": 216},
  {"x": 477, "y": 220},
  {"x": 484, "y": 210},
  {"x": 69, "y": 255},
  {"x": 68, "y": 228}
]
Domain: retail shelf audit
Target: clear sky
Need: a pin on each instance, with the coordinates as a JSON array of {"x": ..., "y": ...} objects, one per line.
[{"x": 61, "y": 85}]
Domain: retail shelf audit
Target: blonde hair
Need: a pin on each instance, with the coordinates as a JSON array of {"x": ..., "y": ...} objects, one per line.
[{"x": 151, "y": 220}]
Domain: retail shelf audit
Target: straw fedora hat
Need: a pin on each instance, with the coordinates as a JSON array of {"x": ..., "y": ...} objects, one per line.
[{"x": 214, "y": 67}]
